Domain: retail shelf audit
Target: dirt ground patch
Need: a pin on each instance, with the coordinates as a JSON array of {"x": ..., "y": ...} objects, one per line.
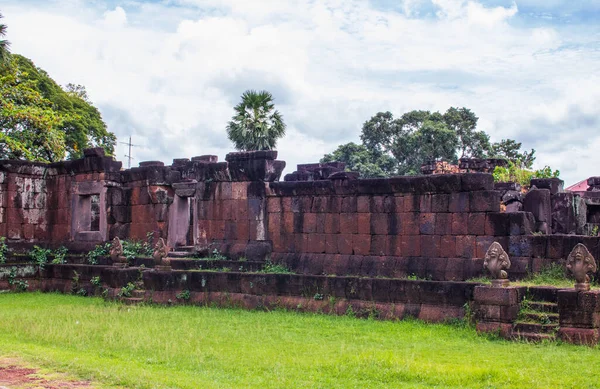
[{"x": 16, "y": 374}]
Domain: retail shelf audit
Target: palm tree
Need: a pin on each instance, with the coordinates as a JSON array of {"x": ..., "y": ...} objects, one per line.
[
  {"x": 256, "y": 124},
  {"x": 4, "y": 44}
]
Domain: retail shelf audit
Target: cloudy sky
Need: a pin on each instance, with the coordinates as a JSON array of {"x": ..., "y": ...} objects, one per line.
[{"x": 168, "y": 72}]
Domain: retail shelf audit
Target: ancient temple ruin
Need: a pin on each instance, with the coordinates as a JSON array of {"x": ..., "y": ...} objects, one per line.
[{"x": 402, "y": 245}]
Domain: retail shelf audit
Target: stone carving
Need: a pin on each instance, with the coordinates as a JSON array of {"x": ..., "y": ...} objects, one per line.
[
  {"x": 116, "y": 253},
  {"x": 161, "y": 262},
  {"x": 579, "y": 263},
  {"x": 497, "y": 262}
]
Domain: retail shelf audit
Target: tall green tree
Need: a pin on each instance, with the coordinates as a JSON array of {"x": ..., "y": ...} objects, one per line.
[
  {"x": 82, "y": 123},
  {"x": 471, "y": 143},
  {"x": 29, "y": 126},
  {"x": 358, "y": 158},
  {"x": 256, "y": 125},
  {"x": 4, "y": 44},
  {"x": 511, "y": 150},
  {"x": 414, "y": 138}
]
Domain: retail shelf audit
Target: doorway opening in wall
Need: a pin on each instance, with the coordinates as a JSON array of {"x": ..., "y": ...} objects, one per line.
[{"x": 94, "y": 213}]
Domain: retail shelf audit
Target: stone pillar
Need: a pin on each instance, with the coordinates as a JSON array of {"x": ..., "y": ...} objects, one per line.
[
  {"x": 496, "y": 308},
  {"x": 538, "y": 202},
  {"x": 579, "y": 316}
]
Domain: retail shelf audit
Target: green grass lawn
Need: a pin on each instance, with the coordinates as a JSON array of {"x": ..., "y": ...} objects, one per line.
[{"x": 193, "y": 347}]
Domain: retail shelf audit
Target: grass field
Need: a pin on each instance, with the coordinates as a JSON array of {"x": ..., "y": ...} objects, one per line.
[{"x": 192, "y": 347}]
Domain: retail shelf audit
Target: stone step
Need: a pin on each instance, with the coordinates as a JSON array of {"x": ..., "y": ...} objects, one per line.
[
  {"x": 180, "y": 254},
  {"x": 541, "y": 317},
  {"x": 138, "y": 293},
  {"x": 188, "y": 249},
  {"x": 132, "y": 300},
  {"x": 543, "y": 306},
  {"x": 533, "y": 337},
  {"x": 537, "y": 328}
]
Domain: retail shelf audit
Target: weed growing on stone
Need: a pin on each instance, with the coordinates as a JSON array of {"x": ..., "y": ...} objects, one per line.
[
  {"x": 217, "y": 256},
  {"x": 3, "y": 249},
  {"x": 40, "y": 256},
  {"x": 270, "y": 267},
  {"x": 551, "y": 275},
  {"x": 126, "y": 290},
  {"x": 183, "y": 295},
  {"x": 96, "y": 281},
  {"x": 100, "y": 250},
  {"x": 59, "y": 255}
]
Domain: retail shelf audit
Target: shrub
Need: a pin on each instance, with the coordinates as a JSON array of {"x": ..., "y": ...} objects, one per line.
[
  {"x": 59, "y": 255},
  {"x": 100, "y": 250},
  {"x": 40, "y": 256},
  {"x": 3, "y": 250}
]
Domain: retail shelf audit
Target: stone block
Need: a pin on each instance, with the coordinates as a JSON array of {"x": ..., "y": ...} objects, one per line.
[
  {"x": 466, "y": 246},
  {"x": 309, "y": 223},
  {"x": 345, "y": 244},
  {"x": 554, "y": 185},
  {"x": 427, "y": 223},
  {"x": 430, "y": 246},
  {"x": 377, "y": 204},
  {"x": 348, "y": 223},
  {"x": 363, "y": 204},
  {"x": 361, "y": 244},
  {"x": 443, "y": 223},
  {"x": 460, "y": 223},
  {"x": 425, "y": 203},
  {"x": 497, "y": 313},
  {"x": 580, "y": 336},
  {"x": 274, "y": 205},
  {"x": 459, "y": 202},
  {"x": 379, "y": 224},
  {"x": 379, "y": 245},
  {"x": 476, "y": 223},
  {"x": 440, "y": 203},
  {"x": 410, "y": 245},
  {"x": 476, "y": 182},
  {"x": 411, "y": 203},
  {"x": 349, "y": 204},
  {"x": 485, "y": 201},
  {"x": 538, "y": 202},
  {"x": 488, "y": 295},
  {"x": 503, "y": 329},
  {"x": 448, "y": 246},
  {"x": 497, "y": 224}
]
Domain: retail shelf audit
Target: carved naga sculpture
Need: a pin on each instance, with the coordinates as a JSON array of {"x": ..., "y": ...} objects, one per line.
[
  {"x": 161, "y": 262},
  {"x": 497, "y": 262},
  {"x": 579, "y": 263},
  {"x": 116, "y": 253}
]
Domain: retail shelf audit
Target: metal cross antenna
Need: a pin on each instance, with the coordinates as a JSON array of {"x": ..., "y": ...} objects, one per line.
[{"x": 129, "y": 157}]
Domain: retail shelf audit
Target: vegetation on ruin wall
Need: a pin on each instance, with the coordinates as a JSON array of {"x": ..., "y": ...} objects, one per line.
[
  {"x": 523, "y": 176},
  {"x": 191, "y": 347}
]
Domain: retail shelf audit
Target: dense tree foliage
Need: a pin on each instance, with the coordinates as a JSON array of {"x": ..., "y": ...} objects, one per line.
[
  {"x": 38, "y": 119},
  {"x": 256, "y": 124},
  {"x": 511, "y": 150},
  {"x": 41, "y": 121},
  {"x": 370, "y": 163},
  {"x": 402, "y": 145}
]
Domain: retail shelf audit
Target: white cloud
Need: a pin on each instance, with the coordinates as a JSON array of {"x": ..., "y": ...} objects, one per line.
[
  {"x": 115, "y": 18},
  {"x": 169, "y": 73}
]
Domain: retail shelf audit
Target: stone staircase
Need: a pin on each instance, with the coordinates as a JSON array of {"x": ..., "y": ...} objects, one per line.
[
  {"x": 538, "y": 319},
  {"x": 137, "y": 295},
  {"x": 182, "y": 252}
]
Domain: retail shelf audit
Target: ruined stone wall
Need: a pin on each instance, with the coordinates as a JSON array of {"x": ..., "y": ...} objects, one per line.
[{"x": 435, "y": 227}]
